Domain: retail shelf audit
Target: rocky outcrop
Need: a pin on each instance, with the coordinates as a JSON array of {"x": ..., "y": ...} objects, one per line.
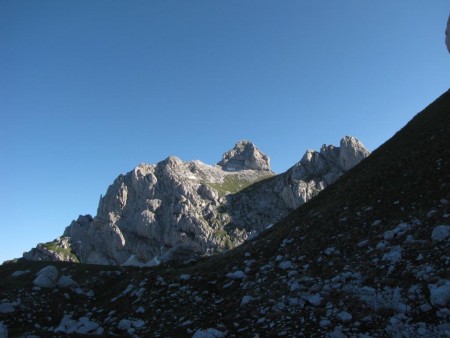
[
  {"x": 58, "y": 251},
  {"x": 176, "y": 210},
  {"x": 268, "y": 202},
  {"x": 244, "y": 156}
]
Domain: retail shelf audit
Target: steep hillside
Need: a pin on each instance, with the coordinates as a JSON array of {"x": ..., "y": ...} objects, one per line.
[
  {"x": 177, "y": 210},
  {"x": 367, "y": 257}
]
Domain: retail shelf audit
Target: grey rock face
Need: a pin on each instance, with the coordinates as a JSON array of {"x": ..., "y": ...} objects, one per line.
[
  {"x": 175, "y": 210},
  {"x": 269, "y": 202},
  {"x": 351, "y": 152},
  {"x": 243, "y": 156}
]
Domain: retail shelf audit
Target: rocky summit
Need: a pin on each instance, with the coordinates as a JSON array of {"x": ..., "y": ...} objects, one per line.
[
  {"x": 367, "y": 257},
  {"x": 243, "y": 156},
  {"x": 176, "y": 210}
]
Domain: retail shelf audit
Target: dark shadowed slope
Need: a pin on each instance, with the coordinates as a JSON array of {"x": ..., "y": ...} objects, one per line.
[{"x": 370, "y": 254}]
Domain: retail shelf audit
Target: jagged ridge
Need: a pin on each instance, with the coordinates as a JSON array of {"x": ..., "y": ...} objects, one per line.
[{"x": 176, "y": 209}]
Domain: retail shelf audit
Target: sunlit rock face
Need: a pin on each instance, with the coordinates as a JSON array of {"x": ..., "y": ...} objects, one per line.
[{"x": 175, "y": 210}]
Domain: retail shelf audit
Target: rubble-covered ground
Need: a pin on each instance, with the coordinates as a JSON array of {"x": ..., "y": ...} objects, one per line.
[{"x": 367, "y": 257}]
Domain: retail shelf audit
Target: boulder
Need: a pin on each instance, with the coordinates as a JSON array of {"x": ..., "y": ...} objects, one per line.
[
  {"x": 440, "y": 233},
  {"x": 67, "y": 282},
  {"x": 6, "y": 307},
  {"x": 440, "y": 293},
  {"x": 47, "y": 277}
]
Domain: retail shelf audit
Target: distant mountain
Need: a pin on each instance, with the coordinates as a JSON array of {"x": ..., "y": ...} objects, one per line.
[{"x": 177, "y": 210}]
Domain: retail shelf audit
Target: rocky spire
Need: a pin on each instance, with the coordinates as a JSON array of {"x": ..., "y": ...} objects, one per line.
[
  {"x": 352, "y": 151},
  {"x": 245, "y": 155}
]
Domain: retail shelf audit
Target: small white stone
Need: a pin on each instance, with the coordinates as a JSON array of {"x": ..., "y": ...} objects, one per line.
[
  {"x": 185, "y": 277},
  {"x": 344, "y": 316},
  {"x": 440, "y": 233},
  {"x": 246, "y": 299},
  {"x": 440, "y": 293},
  {"x": 285, "y": 265},
  {"x": 388, "y": 235},
  {"x": 236, "y": 275},
  {"x": 124, "y": 325},
  {"x": 324, "y": 323},
  {"x": 314, "y": 300},
  {"x": 208, "y": 333},
  {"x": 6, "y": 307},
  {"x": 20, "y": 273}
]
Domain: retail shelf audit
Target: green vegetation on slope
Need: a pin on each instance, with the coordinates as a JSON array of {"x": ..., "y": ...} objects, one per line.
[
  {"x": 67, "y": 253},
  {"x": 233, "y": 184}
]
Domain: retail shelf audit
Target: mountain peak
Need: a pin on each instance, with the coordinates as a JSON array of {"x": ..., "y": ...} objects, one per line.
[
  {"x": 352, "y": 151},
  {"x": 245, "y": 155}
]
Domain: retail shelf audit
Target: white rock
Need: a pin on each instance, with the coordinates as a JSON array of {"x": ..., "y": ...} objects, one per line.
[
  {"x": 208, "y": 333},
  {"x": 246, "y": 299},
  {"x": 285, "y": 265},
  {"x": 124, "y": 324},
  {"x": 83, "y": 326},
  {"x": 344, "y": 316},
  {"x": 324, "y": 323},
  {"x": 362, "y": 244},
  {"x": 314, "y": 300},
  {"x": 388, "y": 235},
  {"x": 185, "y": 277},
  {"x": 67, "y": 282},
  {"x": 393, "y": 256},
  {"x": 337, "y": 333},
  {"x": 440, "y": 233},
  {"x": 236, "y": 275},
  {"x": 6, "y": 307},
  {"x": 425, "y": 307},
  {"x": 440, "y": 293},
  {"x": 86, "y": 326},
  {"x": 20, "y": 273},
  {"x": 47, "y": 277},
  {"x": 138, "y": 324}
]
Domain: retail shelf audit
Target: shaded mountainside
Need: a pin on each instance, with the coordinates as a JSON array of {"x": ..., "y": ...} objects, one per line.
[
  {"x": 367, "y": 257},
  {"x": 175, "y": 210}
]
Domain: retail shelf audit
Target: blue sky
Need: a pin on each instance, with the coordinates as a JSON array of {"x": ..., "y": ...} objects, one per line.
[{"x": 90, "y": 89}]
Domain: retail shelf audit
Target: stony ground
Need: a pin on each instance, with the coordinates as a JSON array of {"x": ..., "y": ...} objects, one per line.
[{"x": 368, "y": 257}]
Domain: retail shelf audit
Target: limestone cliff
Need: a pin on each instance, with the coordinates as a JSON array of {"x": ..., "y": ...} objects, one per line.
[{"x": 176, "y": 209}]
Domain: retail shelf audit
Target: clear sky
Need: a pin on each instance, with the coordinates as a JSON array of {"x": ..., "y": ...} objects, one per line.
[{"x": 90, "y": 89}]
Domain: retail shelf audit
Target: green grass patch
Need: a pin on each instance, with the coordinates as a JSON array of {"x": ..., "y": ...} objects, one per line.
[
  {"x": 233, "y": 183},
  {"x": 66, "y": 253}
]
